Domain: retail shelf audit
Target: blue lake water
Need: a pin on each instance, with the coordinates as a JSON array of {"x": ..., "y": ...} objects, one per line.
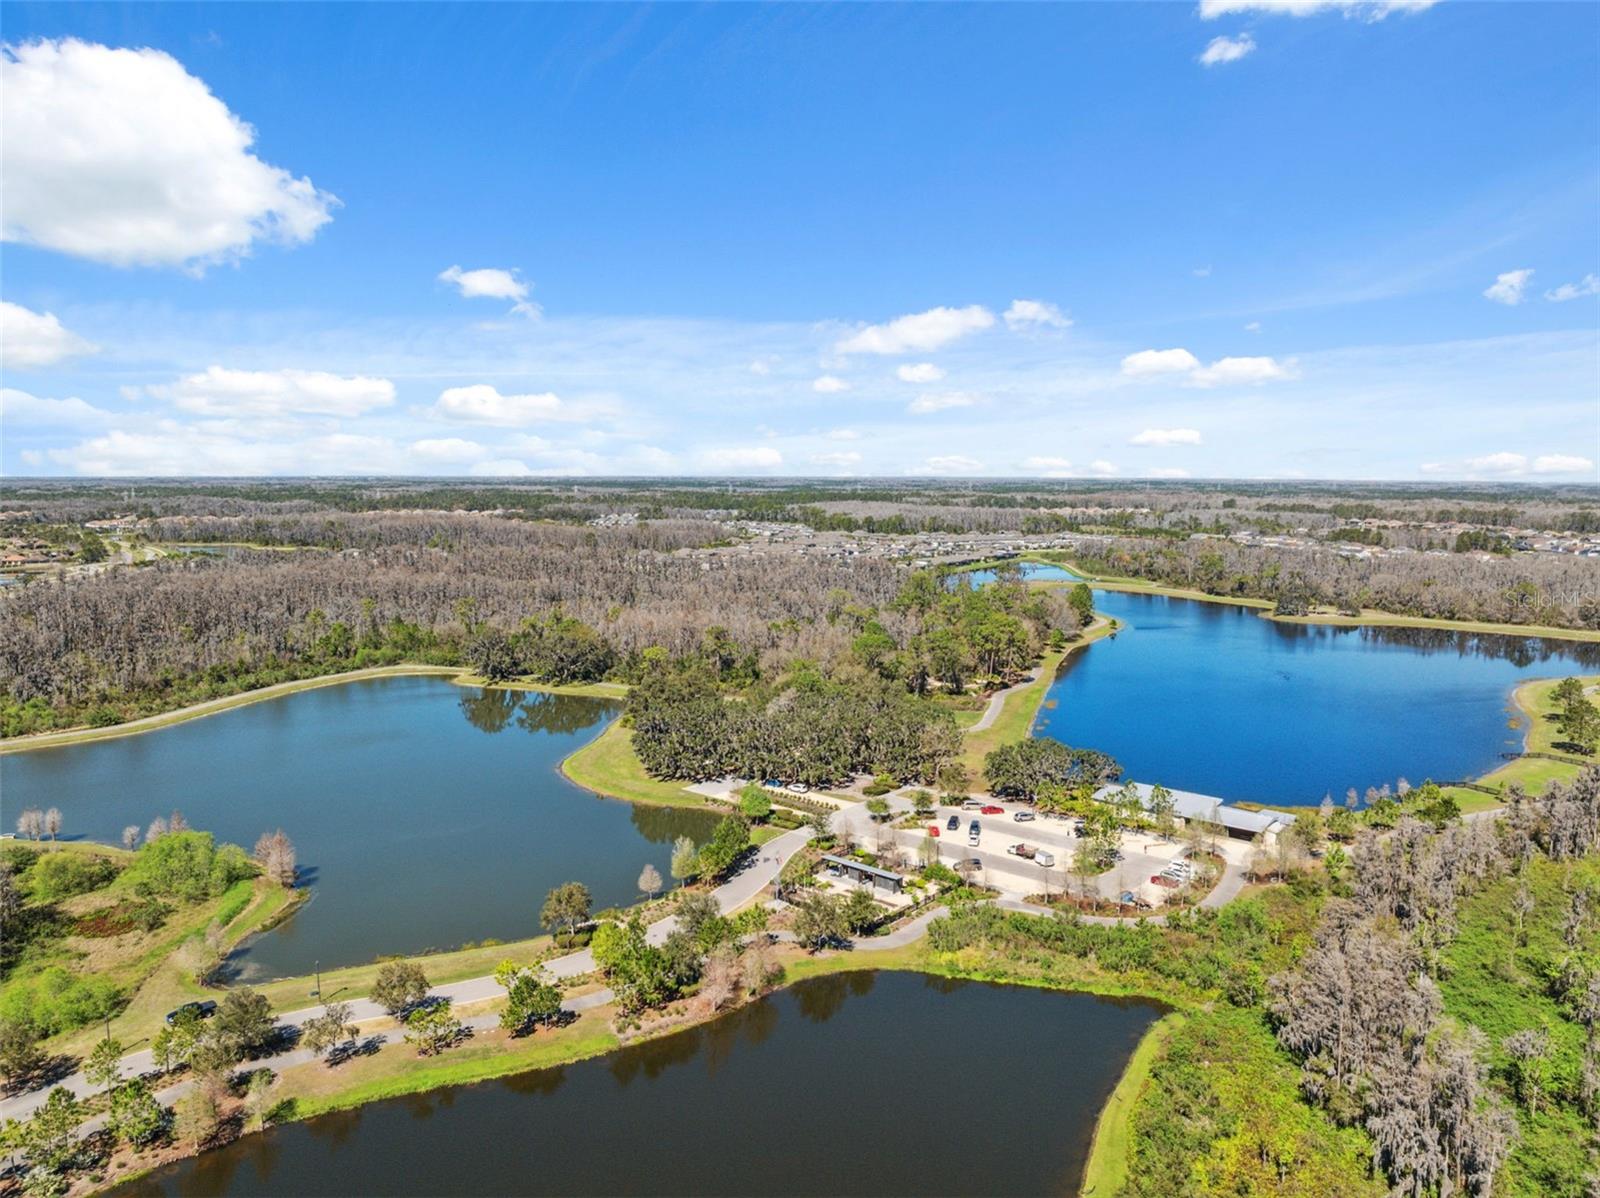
[
  {"x": 1212, "y": 698},
  {"x": 426, "y": 815}
]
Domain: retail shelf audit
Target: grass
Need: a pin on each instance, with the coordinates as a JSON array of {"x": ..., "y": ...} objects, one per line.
[
  {"x": 1538, "y": 714},
  {"x": 1106, "y": 1170},
  {"x": 608, "y": 766},
  {"x": 592, "y": 690}
]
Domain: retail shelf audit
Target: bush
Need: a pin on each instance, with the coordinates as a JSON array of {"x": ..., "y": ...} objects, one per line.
[
  {"x": 60, "y": 875},
  {"x": 189, "y": 866},
  {"x": 755, "y": 804},
  {"x": 881, "y": 785},
  {"x": 55, "y": 1001}
]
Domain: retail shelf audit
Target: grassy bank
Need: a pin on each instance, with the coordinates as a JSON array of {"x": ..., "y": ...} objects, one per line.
[
  {"x": 1534, "y": 708},
  {"x": 608, "y": 766},
  {"x": 1106, "y": 1171}
]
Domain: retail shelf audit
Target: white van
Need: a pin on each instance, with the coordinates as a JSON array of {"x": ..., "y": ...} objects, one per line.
[{"x": 1047, "y": 860}]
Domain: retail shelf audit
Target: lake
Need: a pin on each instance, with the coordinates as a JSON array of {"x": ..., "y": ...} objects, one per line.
[
  {"x": 426, "y": 814},
  {"x": 1210, "y": 697},
  {"x": 861, "y": 1083}
]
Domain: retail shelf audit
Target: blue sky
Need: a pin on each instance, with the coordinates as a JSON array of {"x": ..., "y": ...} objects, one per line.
[{"x": 1079, "y": 240}]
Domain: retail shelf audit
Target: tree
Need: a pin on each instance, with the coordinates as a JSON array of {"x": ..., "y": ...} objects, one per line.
[
  {"x": 324, "y": 1032},
  {"x": 859, "y": 912},
  {"x": 1161, "y": 809},
  {"x": 922, "y": 803},
  {"x": 566, "y": 906},
  {"x": 1027, "y": 766},
  {"x": 1081, "y": 599},
  {"x": 50, "y": 1138},
  {"x": 819, "y": 923},
  {"x": 530, "y": 998},
  {"x": 1580, "y": 724},
  {"x": 196, "y": 1117},
  {"x": 1528, "y": 1051},
  {"x": 52, "y": 823},
  {"x": 130, "y": 837},
  {"x": 433, "y": 1029},
  {"x": 649, "y": 881},
  {"x": 275, "y": 855},
  {"x": 685, "y": 860},
  {"x": 399, "y": 986},
  {"x": 729, "y": 839},
  {"x": 30, "y": 823},
  {"x": 136, "y": 1116},
  {"x": 104, "y": 1066},
  {"x": 20, "y": 1055},
  {"x": 878, "y": 808},
  {"x": 244, "y": 1022},
  {"x": 172, "y": 1045},
  {"x": 1568, "y": 690},
  {"x": 755, "y": 804},
  {"x": 258, "y": 1097}
]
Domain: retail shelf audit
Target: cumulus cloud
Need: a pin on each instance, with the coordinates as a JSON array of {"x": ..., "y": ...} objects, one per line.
[
  {"x": 1149, "y": 363},
  {"x": 31, "y": 339},
  {"x": 168, "y": 447},
  {"x": 491, "y": 283},
  {"x": 122, "y": 156},
  {"x": 1508, "y": 288},
  {"x": 1226, "y": 49},
  {"x": 1253, "y": 327},
  {"x": 829, "y": 385},
  {"x": 1561, "y": 463},
  {"x": 940, "y": 402},
  {"x": 846, "y": 457},
  {"x": 742, "y": 457},
  {"x": 1368, "y": 10},
  {"x": 20, "y": 409},
  {"x": 1588, "y": 285},
  {"x": 923, "y": 331},
  {"x": 921, "y": 372},
  {"x": 1166, "y": 436},
  {"x": 1498, "y": 463},
  {"x": 1026, "y": 314},
  {"x": 952, "y": 464},
  {"x": 218, "y": 391},
  {"x": 481, "y": 403},
  {"x": 447, "y": 449},
  {"x": 1226, "y": 372},
  {"x": 843, "y": 434}
]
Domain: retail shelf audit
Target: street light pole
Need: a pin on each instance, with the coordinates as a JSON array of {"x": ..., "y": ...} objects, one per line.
[{"x": 317, "y": 993}]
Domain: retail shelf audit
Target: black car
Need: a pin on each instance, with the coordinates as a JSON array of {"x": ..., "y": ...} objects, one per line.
[
  {"x": 200, "y": 1010},
  {"x": 953, "y": 824}
]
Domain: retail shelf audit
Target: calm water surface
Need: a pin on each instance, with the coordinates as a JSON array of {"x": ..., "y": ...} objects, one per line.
[
  {"x": 1210, "y": 697},
  {"x": 852, "y": 1084},
  {"x": 426, "y": 814}
]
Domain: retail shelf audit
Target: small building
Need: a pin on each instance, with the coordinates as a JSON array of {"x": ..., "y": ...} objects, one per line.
[
  {"x": 867, "y": 875},
  {"x": 1240, "y": 823}
]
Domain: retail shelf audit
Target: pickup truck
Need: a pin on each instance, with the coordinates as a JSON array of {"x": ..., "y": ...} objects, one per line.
[
  {"x": 1163, "y": 880},
  {"x": 1026, "y": 851}
]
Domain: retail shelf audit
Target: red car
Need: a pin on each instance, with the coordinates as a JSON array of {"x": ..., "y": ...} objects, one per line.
[
  {"x": 933, "y": 829},
  {"x": 991, "y": 809}
]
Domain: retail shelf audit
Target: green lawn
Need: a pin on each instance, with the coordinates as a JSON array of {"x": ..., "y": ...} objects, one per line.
[
  {"x": 607, "y": 765},
  {"x": 1537, "y": 716},
  {"x": 1107, "y": 1169}
]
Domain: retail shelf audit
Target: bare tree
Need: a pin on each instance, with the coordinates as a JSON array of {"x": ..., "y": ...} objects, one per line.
[
  {"x": 130, "y": 837},
  {"x": 274, "y": 853},
  {"x": 52, "y": 823},
  {"x": 30, "y": 823},
  {"x": 156, "y": 830},
  {"x": 649, "y": 881}
]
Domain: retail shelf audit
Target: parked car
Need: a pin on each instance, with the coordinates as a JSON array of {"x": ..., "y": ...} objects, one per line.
[
  {"x": 991, "y": 809},
  {"x": 972, "y": 805},
  {"x": 933, "y": 830},
  {"x": 974, "y": 832},
  {"x": 1079, "y": 828},
  {"x": 1023, "y": 817},
  {"x": 200, "y": 1010},
  {"x": 953, "y": 824},
  {"x": 1026, "y": 851},
  {"x": 973, "y": 863},
  {"x": 1164, "y": 880},
  {"x": 798, "y": 788},
  {"x": 1042, "y": 858}
]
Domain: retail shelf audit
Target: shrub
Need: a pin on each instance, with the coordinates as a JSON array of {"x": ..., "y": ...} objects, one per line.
[
  {"x": 189, "y": 866},
  {"x": 55, "y": 1001},
  {"x": 60, "y": 875}
]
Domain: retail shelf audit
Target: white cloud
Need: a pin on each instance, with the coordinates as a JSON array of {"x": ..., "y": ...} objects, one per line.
[
  {"x": 952, "y": 464},
  {"x": 921, "y": 372},
  {"x": 742, "y": 457},
  {"x": 19, "y": 409},
  {"x": 1227, "y": 49},
  {"x": 123, "y": 157},
  {"x": 1588, "y": 285},
  {"x": 168, "y": 447},
  {"x": 500, "y": 468},
  {"x": 31, "y": 339},
  {"x": 1035, "y": 314},
  {"x": 1498, "y": 463},
  {"x": 1046, "y": 463},
  {"x": 1434, "y": 468},
  {"x": 1167, "y": 472},
  {"x": 829, "y": 385},
  {"x": 1148, "y": 363},
  {"x": 1253, "y": 327},
  {"x": 481, "y": 403},
  {"x": 447, "y": 449},
  {"x": 1166, "y": 436},
  {"x": 845, "y": 458},
  {"x": 843, "y": 434},
  {"x": 1561, "y": 463},
  {"x": 1202, "y": 272},
  {"x": 922, "y": 331},
  {"x": 1369, "y": 10},
  {"x": 491, "y": 283},
  {"x": 1508, "y": 288},
  {"x": 761, "y": 366},
  {"x": 218, "y": 391},
  {"x": 1227, "y": 372},
  {"x": 940, "y": 402},
  {"x": 1102, "y": 467}
]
